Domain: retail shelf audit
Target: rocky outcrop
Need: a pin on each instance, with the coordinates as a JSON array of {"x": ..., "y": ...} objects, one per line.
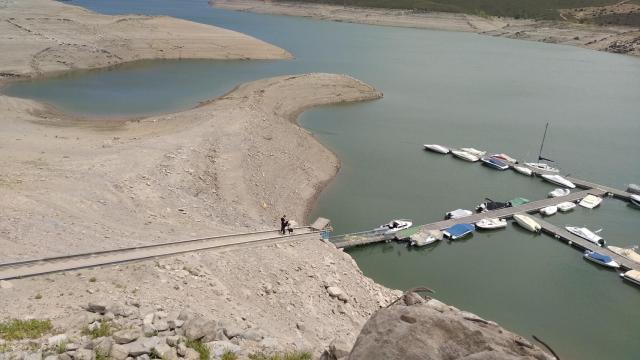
[{"x": 431, "y": 330}]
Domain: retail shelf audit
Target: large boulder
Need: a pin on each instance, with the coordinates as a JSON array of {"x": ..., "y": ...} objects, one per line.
[
  {"x": 198, "y": 328},
  {"x": 422, "y": 332}
]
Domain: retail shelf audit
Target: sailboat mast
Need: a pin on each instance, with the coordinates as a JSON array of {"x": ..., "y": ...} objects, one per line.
[{"x": 542, "y": 144}]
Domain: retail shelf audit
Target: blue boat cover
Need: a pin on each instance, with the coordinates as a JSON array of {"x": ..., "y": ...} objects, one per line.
[
  {"x": 497, "y": 161},
  {"x": 597, "y": 256},
  {"x": 460, "y": 229}
]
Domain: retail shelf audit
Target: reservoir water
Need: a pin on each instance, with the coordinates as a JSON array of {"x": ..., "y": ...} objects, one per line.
[{"x": 456, "y": 89}]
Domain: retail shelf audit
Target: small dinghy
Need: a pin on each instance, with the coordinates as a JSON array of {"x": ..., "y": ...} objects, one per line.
[
  {"x": 542, "y": 166},
  {"x": 559, "y": 180},
  {"x": 559, "y": 192},
  {"x": 632, "y": 276},
  {"x": 491, "y": 224},
  {"x": 586, "y": 234},
  {"x": 393, "y": 226},
  {"x": 457, "y": 214},
  {"x": 491, "y": 205},
  {"x": 566, "y": 206},
  {"x": 634, "y": 189},
  {"x": 630, "y": 253},
  {"x": 549, "y": 210},
  {"x": 527, "y": 222},
  {"x": 523, "y": 170},
  {"x": 635, "y": 200},
  {"x": 495, "y": 163},
  {"x": 474, "y": 151},
  {"x": 437, "y": 148},
  {"x": 465, "y": 155},
  {"x": 601, "y": 259},
  {"x": 506, "y": 158},
  {"x": 425, "y": 238},
  {"x": 459, "y": 231},
  {"x": 590, "y": 201}
]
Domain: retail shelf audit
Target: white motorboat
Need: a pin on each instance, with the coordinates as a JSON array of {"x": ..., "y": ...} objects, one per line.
[
  {"x": 473, "y": 151},
  {"x": 629, "y": 253},
  {"x": 527, "y": 222},
  {"x": 634, "y": 189},
  {"x": 542, "y": 166},
  {"x": 601, "y": 259},
  {"x": 394, "y": 226},
  {"x": 586, "y": 234},
  {"x": 549, "y": 210},
  {"x": 635, "y": 200},
  {"x": 437, "y": 148},
  {"x": 425, "y": 238},
  {"x": 559, "y": 180},
  {"x": 505, "y": 157},
  {"x": 457, "y": 214},
  {"x": 632, "y": 276},
  {"x": 566, "y": 206},
  {"x": 559, "y": 192},
  {"x": 590, "y": 201},
  {"x": 465, "y": 155},
  {"x": 523, "y": 170},
  {"x": 491, "y": 223}
]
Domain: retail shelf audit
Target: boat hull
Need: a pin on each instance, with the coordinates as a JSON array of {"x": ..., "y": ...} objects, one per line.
[
  {"x": 523, "y": 170},
  {"x": 611, "y": 264},
  {"x": 437, "y": 148},
  {"x": 549, "y": 210},
  {"x": 566, "y": 206},
  {"x": 527, "y": 223},
  {"x": 489, "y": 224},
  {"x": 465, "y": 156},
  {"x": 494, "y": 164},
  {"x": 559, "y": 180}
]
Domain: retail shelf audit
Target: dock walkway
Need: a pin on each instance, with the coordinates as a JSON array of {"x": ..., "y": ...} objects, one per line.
[
  {"x": 582, "y": 244},
  {"x": 533, "y": 206}
]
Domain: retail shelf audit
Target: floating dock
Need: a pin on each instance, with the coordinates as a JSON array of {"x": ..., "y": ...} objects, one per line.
[{"x": 356, "y": 239}]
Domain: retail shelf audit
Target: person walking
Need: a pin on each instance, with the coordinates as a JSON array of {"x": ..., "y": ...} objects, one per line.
[{"x": 283, "y": 224}]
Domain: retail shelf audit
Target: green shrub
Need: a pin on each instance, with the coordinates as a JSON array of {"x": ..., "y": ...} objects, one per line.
[
  {"x": 200, "y": 347},
  {"x": 24, "y": 329},
  {"x": 104, "y": 329},
  {"x": 295, "y": 355},
  {"x": 229, "y": 355}
]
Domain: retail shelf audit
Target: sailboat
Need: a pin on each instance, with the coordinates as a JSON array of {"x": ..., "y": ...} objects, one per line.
[{"x": 540, "y": 165}]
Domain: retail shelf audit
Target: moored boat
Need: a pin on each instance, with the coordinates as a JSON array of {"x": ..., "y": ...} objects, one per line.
[
  {"x": 437, "y": 148},
  {"x": 632, "y": 276},
  {"x": 495, "y": 163},
  {"x": 465, "y": 155},
  {"x": 559, "y": 180},
  {"x": 491, "y": 224},
  {"x": 542, "y": 166},
  {"x": 459, "y": 231},
  {"x": 566, "y": 206},
  {"x": 506, "y": 158},
  {"x": 634, "y": 189},
  {"x": 457, "y": 214},
  {"x": 527, "y": 222},
  {"x": 590, "y": 201},
  {"x": 635, "y": 200},
  {"x": 559, "y": 192},
  {"x": 425, "y": 238},
  {"x": 523, "y": 170},
  {"x": 549, "y": 210},
  {"x": 586, "y": 234},
  {"x": 629, "y": 253},
  {"x": 491, "y": 205},
  {"x": 394, "y": 226},
  {"x": 601, "y": 259},
  {"x": 474, "y": 151}
]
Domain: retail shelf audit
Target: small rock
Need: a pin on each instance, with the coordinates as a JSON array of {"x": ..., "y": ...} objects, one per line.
[
  {"x": 33, "y": 356},
  {"x": 5, "y": 285},
  {"x": 64, "y": 357},
  {"x": 103, "y": 345},
  {"x": 148, "y": 319},
  {"x": 175, "y": 323},
  {"x": 118, "y": 352},
  {"x": 126, "y": 336},
  {"x": 218, "y": 348},
  {"x": 161, "y": 325},
  {"x": 191, "y": 354},
  {"x": 339, "y": 348},
  {"x": 336, "y": 292},
  {"x": 84, "y": 354},
  {"x": 173, "y": 340},
  {"x": 182, "y": 349},
  {"x": 270, "y": 344},
  {"x": 99, "y": 308},
  {"x": 252, "y": 334},
  {"x": 57, "y": 339},
  {"x": 301, "y": 326},
  {"x": 51, "y": 357},
  {"x": 165, "y": 351},
  {"x": 198, "y": 328},
  {"x": 232, "y": 331}
]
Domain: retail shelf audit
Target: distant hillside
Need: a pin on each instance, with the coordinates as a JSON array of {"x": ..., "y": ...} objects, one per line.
[{"x": 535, "y": 9}]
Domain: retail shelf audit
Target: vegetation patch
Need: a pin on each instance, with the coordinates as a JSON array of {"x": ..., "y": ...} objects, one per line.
[
  {"x": 294, "y": 355},
  {"x": 103, "y": 329},
  {"x": 24, "y": 329},
  {"x": 200, "y": 347},
  {"x": 229, "y": 355}
]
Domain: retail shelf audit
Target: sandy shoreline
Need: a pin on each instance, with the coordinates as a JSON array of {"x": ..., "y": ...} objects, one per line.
[{"x": 615, "y": 39}]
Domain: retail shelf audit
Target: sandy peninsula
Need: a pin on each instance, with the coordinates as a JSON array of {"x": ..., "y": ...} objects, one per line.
[
  {"x": 43, "y": 36},
  {"x": 610, "y": 38}
]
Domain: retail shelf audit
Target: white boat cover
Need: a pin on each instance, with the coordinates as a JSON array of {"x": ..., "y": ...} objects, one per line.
[
  {"x": 634, "y": 189},
  {"x": 527, "y": 222},
  {"x": 590, "y": 201},
  {"x": 628, "y": 253},
  {"x": 633, "y": 275},
  {"x": 474, "y": 151},
  {"x": 523, "y": 170},
  {"x": 549, "y": 210},
  {"x": 566, "y": 206},
  {"x": 559, "y": 192}
]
